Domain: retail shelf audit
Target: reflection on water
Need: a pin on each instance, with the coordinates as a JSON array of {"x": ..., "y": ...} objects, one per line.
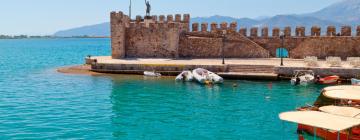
[{"x": 160, "y": 108}]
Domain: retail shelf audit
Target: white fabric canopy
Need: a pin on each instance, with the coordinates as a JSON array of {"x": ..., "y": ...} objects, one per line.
[
  {"x": 341, "y": 111},
  {"x": 345, "y": 87},
  {"x": 349, "y": 93},
  {"x": 320, "y": 120}
]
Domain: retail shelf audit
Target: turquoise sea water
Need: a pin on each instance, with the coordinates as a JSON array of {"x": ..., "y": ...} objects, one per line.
[{"x": 36, "y": 102}]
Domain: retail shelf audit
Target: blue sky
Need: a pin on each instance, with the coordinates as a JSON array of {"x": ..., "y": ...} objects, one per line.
[{"x": 43, "y": 17}]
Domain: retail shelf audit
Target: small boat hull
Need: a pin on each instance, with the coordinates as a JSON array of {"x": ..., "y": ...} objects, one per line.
[
  {"x": 329, "y": 80},
  {"x": 151, "y": 74},
  {"x": 304, "y": 80},
  {"x": 204, "y": 76},
  {"x": 302, "y": 77},
  {"x": 302, "y": 83},
  {"x": 355, "y": 82},
  {"x": 185, "y": 76},
  {"x": 328, "y": 135},
  {"x": 215, "y": 78},
  {"x": 201, "y": 75}
]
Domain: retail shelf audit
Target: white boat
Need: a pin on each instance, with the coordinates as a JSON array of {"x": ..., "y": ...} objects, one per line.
[
  {"x": 152, "y": 74},
  {"x": 204, "y": 76},
  {"x": 215, "y": 78},
  {"x": 355, "y": 81},
  {"x": 201, "y": 75},
  {"x": 302, "y": 77},
  {"x": 185, "y": 76}
]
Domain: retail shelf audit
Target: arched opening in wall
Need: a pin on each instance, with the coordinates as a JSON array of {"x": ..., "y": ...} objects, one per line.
[{"x": 282, "y": 52}]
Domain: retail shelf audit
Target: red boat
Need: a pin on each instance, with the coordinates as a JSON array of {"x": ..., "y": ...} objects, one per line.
[
  {"x": 354, "y": 134},
  {"x": 328, "y": 80},
  {"x": 326, "y": 121},
  {"x": 324, "y": 125}
]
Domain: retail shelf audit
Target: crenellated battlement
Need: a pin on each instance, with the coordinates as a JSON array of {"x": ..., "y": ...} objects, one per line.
[
  {"x": 204, "y": 27},
  {"x": 300, "y": 31},
  {"x": 161, "y": 22},
  {"x": 331, "y": 31},
  {"x": 183, "y": 21},
  {"x": 243, "y": 31},
  {"x": 164, "y": 19},
  {"x": 276, "y": 32},
  {"x": 315, "y": 31},
  {"x": 155, "y": 25},
  {"x": 215, "y": 27},
  {"x": 173, "y": 36},
  {"x": 346, "y": 31},
  {"x": 265, "y": 32},
  {"x": 195, "y": 27}
]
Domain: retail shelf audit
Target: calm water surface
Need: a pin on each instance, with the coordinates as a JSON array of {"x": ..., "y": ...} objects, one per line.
[{"x": 36, "y": 102}]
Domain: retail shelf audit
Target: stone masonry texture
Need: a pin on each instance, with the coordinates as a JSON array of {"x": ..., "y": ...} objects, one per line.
[{"x": 166, "y": 37}]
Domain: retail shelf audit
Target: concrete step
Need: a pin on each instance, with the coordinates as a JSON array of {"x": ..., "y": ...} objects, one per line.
[
  {"x": 251, "y": 68},
  {"x": 268, "y": 70},
  {"x": 251, "y": 71},
  {"x": 248, "y": 66},
  {"x": 253, "y": 76}
]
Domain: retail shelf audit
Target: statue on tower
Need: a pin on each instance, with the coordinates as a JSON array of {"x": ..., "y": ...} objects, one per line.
[{"x": 148, "y": 8}]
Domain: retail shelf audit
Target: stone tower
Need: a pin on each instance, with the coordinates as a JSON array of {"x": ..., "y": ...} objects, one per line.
[{"x": 118, "y": 22}]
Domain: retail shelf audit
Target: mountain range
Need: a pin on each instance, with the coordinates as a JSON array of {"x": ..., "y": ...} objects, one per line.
[{"x": 345, "y": 12}]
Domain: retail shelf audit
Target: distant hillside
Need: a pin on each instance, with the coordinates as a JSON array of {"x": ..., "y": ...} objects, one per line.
[
  {"x": 293, "y": 21},
  {"x": 346, "y": 12},
  {"x": 246, "y": 22},
  {"x": 277, "y": 21},
  {"x": 102, "y": 29}
]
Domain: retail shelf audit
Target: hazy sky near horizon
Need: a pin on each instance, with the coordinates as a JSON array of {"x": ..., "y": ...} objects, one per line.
[{"x": 44, "y": 17}]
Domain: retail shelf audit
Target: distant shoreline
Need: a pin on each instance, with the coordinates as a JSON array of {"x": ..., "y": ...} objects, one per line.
[{"x": 47, "y": 37}]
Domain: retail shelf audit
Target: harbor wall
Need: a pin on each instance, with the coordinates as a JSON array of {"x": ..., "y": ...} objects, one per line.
[
  {"x": 169, "y": 69},
  {"x": 172, "y": 36},
  {"x": 321, "y": 47},
  {"x": 345, "y": 73},
  {"x": 208, "y": 45}
]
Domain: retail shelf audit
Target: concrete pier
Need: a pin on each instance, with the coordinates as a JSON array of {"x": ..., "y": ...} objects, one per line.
[{"x": 262, "y": 68}]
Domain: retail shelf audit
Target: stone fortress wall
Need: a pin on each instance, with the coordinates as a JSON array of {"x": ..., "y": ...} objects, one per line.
[{"x": 174, "y": 37}]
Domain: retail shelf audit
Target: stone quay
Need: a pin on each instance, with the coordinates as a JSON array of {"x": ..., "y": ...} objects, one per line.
[{"x": 171, "y": 45}]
